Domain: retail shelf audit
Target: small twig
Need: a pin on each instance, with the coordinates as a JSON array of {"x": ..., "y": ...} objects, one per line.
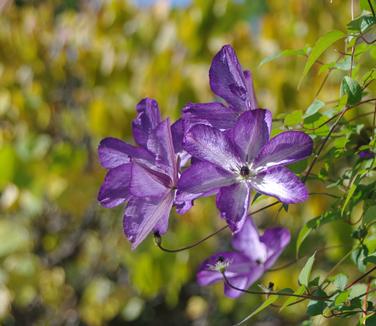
[
  {"x": 324, "y": 143},
  {"x": 324, "y": 193},
  {"x": 370, "y": 5},
  {"x": 360, "y": 278},
  {"x": 286, "y": 294},
  {"x": 365, "y": 304},
  {"x": 158, "y": 241}
]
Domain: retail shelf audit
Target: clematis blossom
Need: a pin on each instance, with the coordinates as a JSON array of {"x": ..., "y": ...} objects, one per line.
[
  {"x": 229, "y": 82},
  {"x": 143, "y": 176},
  {"x": 230, "y": 164},
  {"x": 253, "y": 255}
]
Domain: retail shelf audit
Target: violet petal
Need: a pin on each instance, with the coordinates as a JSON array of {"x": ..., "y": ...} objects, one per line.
[
  {"x": 227, "y": 79},
  {"x": 113, "y": 152},
  {"x": 210, "y": 144},
  {"x": 147, "y": 119},
  {"x": 275, "y": 239},
  {"x": 213, "y": 114},
  {"x": 251, "y": 133},
  {"x": 148, "y": 184},
  {"x": 141, "y": 217},
  {"x": 233, "y": 202},
  {"x": 280, "y": 183},
  {"x": 247, "y": 241},
  {"x": 285, "y": 148},
  {"x": 115, "y": 188}
]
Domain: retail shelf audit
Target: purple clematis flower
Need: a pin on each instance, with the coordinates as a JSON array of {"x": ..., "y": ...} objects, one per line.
[
  {"x": 145, "y": 176},
  {"x": 234, "y": 162},
  {"x": 253, "y": 255},
  {"x": 366, "y": 154},
  {"x": 231, "y": 83}
]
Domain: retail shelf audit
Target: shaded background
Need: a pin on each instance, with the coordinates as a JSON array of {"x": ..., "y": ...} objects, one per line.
[{"x": 71, "y": 73}]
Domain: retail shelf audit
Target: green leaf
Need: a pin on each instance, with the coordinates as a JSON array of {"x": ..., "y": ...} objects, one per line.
[
  {"x": 352, "y": 88},
  {"x": 264, "y": 305},
  {"x": 371, "y": 258},
  {"x": 304, "y": 232},
  {"x": 323, "y": 43},
  {"x": 358, "y": 256},
  {"x": 350, "y": 193},
  {"x": 371, "y": 320},
  {"x": 290, "y": 300},
  {"x": 306, "y": 271},
  {"x": 285, "y": 53},
  {"x": 340, "y": 281},
  {"x": 315, "y": 308},
  {"x": 313, "y": 108},
  {"x": 361, "y": 24},
  {"x": 341, "y": 298},
  {"x": 370, "y": 214},
  {"x": 357, "y": 290},
  {"x": 294, "y": 118}
]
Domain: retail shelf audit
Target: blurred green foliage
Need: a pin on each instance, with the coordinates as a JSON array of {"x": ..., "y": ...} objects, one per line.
[{"x": 71, "y": 73}]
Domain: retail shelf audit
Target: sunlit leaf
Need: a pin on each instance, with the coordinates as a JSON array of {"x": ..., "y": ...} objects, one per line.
[
  {"x": 306, "y": 271},
  {"x": 323, "y": 43}
]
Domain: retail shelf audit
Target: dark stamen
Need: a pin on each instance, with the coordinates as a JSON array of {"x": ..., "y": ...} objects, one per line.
[
  {"x": 221, "y": 259},
  {"x": 244, "y": 171}
]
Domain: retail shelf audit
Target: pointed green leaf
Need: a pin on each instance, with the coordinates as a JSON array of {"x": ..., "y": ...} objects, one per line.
[
  {"x": 370, "y": 214},
  {"x": 350, "y": 193},
  {"x": 340, "y": 281},
  {"x": 352, "y": 88},
  {"x": 361, "y": 24},
  {"x": 306, "y": 271},
  {"x": 290, "y": 300},
  {"x": 323, "y": 43},
  {"x": 313, "y": 108},
  {"x": 304, "y": 232},
  {"x": 341, "y": 298},
  {"x": 285, "y": 53},
  {"x": 294, "y": 118}
]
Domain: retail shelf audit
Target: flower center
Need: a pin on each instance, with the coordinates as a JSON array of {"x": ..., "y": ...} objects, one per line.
[{"x": 244, "y": 171}]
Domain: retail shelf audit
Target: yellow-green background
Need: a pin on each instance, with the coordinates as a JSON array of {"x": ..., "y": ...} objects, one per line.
[{"x": 71, "y": 73}]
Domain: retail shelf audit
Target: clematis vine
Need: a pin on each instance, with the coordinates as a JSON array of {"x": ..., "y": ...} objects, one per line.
[
  {"x": 144, "y": 176},
  {"x": 232, "y": 163},
  {"x": 229, "y": 82},
  {"x": 253, "y": 255}
]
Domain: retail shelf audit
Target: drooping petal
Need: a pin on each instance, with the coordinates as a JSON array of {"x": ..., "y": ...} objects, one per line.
[
  {"x": 147, "y": 119},
  {"x": 251, "y": 133},
  {"x": 202, "y": 177},
  {"x": 243, "y": 282},
  {"x": 233, "y": 202},
  {"x": 285, "y": 148},
  {"x": 115, "y": 188},
  {"x": 250, "y": 89},
  {"x": 240, "y": 282},
  {"x": 148, "y": 184},
  {"x": 281, "y": 183},
  {"x": 227, "y": 79},
  {"x": 141, "y": 218},
  {"x": 210, "y": 144},
  {"x": 113, "y": 152},
  {"x": 161, "y": 145},
  {"x": 177, "y": 131},
  {"x": 247, "y": 241},
  {"x": 212, "y": 114},
  {"x": 275, "y": 239}
]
